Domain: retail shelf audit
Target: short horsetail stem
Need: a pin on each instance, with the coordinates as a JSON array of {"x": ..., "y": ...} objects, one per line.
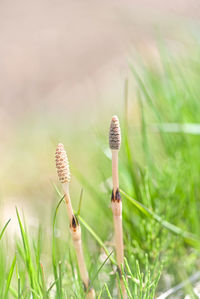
[
  {"x": 63, "y": 171},
  {"x": 115, "y": 142}
]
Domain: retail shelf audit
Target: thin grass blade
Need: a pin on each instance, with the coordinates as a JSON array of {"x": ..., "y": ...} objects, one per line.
[
  {"x": 10, "y": 274},
  {"x": 4, "y": 228},
  {"x": 96, "y": 237}
]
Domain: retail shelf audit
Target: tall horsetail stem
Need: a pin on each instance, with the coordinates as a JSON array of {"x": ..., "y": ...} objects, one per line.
[{"x": 115, "y": 143}]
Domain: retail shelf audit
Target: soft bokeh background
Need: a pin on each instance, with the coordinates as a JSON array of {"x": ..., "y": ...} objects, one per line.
[
  {"x": 64, "y": 66},
  {"x": 62, "y": 70}
]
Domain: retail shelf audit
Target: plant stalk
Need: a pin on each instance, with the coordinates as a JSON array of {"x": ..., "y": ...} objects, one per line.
[
  {"x": 116, "y": 203},
  {"x": 115, "y": 177},
  {"x": 76, "y": 236},
  {"x": 68, "y": 201},
  {"x": 62, "y": 165}
]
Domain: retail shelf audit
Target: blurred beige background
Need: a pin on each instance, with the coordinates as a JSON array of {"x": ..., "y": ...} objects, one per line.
[
  {"x": 62, "y": 64},
  {"x": 59, "y": 51}
]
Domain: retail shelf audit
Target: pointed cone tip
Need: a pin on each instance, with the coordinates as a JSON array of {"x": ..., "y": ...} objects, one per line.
[{"x": 115, "y": 118}]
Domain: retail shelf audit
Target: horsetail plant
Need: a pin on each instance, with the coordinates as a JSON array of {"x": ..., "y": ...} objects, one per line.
[
  {"x": 62, "y": 165},
  {"x": 115, "y": 142}
]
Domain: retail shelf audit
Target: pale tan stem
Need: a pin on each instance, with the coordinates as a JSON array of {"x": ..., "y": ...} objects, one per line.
[
  {"x": 115, "y": 170},
  {"x": 68, "y": 201},
  {"x": 117, "y": 217},
  {"x": 76, "y": 236}
]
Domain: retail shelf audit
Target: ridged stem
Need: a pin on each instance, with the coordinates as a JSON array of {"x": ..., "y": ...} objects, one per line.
[
  {"x": 76, "y": 236},
  {"x": 68, "y": 201},
  {"x": 117, "y": 218}
]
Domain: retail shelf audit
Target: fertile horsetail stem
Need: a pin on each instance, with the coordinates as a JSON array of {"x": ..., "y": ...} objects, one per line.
[
  {"x": 62, "y": 165},
  {"x": 115, "y": 142}
]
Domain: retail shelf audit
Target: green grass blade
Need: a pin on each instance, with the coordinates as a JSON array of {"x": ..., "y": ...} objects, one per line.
[
  {"x": 51, "y": 286},
  {"x": 13, "y": 292},
  {"x": 4, "y": 228},
  {"x": 95, "y": 276},
  {"x": 96, "y": 237},
  {"x": 54, "y": 249},
  {"x": 28, "y": 260},
  {"x": 43, "y": 285},
  {"x": 135, "y": 280},
  {"x": 99, "y": 296},
  {"x": 126, "y": 286},
  {"x": 145, "y": 91},
  {"x": 60, "y": 278},
  {"x": 10, "y": 274},
  {"x": 56, "y": 189},
  {"x": 80, "y": 202},
  {"x": 107, "y": 290},
  {"x": 19, "y": 288}
]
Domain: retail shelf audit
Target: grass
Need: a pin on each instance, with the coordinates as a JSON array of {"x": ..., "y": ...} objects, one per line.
[{"x": 159, "y": 174}]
